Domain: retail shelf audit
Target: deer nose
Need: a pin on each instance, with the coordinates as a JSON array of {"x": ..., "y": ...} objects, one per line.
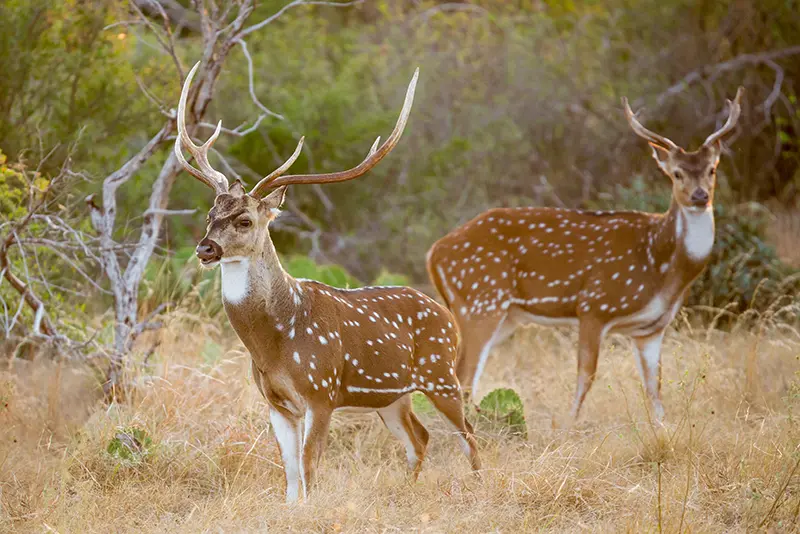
[
  {"x": 208, "y": 251},
  {"x": 699, "y": 198}
]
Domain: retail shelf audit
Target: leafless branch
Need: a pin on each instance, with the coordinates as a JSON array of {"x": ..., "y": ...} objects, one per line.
[
  {"x": 251, "y": 86},
  {"x": 220, "y": 35},
  {"x": 295, "y": 3},
  {"x": 179, "y": 15},
  {"x": 711, "y": 72},
  {"x": 155, "y": 211}
]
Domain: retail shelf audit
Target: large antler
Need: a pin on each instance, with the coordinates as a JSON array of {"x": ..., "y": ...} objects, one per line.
[
  {"x": 735, "y": 108},
  {"x": 375, "y": 154},
  {"x": 206, "y": 174},
  {"x": 641, "y": 131}
]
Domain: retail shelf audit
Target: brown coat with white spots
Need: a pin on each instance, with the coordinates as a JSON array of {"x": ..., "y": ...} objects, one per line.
[
  {"x": 622, "y": 271},
  {"x": 316, "y": 348}
]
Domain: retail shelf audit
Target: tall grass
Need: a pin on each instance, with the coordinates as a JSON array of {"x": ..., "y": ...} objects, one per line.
[{"x": 726, "y": 460}]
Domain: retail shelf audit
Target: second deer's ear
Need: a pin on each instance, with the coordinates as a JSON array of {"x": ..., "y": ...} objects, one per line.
[
  {"x": 662, "y": 157},
  {"x": 274, "y": 200}
]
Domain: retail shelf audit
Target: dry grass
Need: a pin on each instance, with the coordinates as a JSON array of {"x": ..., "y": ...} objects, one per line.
[
  {"x": 724, "y": 463},
  {"x": 783, "y": 233}
]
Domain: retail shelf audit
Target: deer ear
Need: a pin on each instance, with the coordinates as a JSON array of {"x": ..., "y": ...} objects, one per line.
[
  {"x": 274, "y": 200},
  {"x": 662, "y": 157},
  {"x": 237, "y": 189},
  {"x": 716, "y": 151}
]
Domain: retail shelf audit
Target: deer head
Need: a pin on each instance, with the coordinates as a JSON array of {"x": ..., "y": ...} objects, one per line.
[
  {"x": 238, "y": 223},
  {"x": 693, "y": 174}
]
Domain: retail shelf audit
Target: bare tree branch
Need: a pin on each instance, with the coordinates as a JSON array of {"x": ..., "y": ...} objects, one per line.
[
  {"x": 217, "y": 43},
  {"x": 179, "y": 15},
  {"x": 295, "y": 3},
  {"x": 712, "y": 72}
]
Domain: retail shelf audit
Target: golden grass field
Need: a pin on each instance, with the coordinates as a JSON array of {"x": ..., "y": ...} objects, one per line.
[{"x": 726, "y": 461}]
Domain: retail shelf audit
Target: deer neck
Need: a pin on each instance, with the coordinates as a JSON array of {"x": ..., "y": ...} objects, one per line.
[
  {"x": 682, "y": 242},
  {"x": 256, "y": 284}
]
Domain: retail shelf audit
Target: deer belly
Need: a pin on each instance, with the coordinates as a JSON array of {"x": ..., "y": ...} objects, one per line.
[
  {"x": 527, "y": 315},
  {"x": 653, "y": 318}
]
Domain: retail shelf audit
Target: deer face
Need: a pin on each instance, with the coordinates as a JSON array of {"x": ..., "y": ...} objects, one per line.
[
  {"x": 693, "y": 174},
  {"x": 237, "y": 226}
]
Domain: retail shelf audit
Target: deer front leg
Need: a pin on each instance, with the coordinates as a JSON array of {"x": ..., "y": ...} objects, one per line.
[
  {"x": 648, "y": 352},
  {"x": 589, "y": 338},
  {"x": 287, "y": 432},
  {"x": 315, "y": 435}
]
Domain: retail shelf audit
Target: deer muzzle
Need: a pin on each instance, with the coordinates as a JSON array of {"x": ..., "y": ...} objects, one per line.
[
  {"x": 208, "y": 251},
  {"x": 699, "y": 198}
]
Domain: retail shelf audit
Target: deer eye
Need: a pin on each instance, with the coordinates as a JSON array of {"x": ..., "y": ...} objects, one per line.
[
  {"x": 678, "y": 175},
  {"x": 244, "y": 223},
  {"x": 712, "y": 171}
]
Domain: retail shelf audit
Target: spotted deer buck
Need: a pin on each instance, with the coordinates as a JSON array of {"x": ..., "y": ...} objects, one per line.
[
  {"x": 611, "y": 271},
  {"x": 315, "y": 348}
]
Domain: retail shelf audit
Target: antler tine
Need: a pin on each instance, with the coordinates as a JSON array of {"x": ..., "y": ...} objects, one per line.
[
  {"x": 264, "y": 183},
  {"x": 374, "y": 146},
  {"x": 735, "y": 109},
  {"x": 206, "y": 174},
  {"x": 643, "y": 132},
  {"x": 374, "y": 156}
]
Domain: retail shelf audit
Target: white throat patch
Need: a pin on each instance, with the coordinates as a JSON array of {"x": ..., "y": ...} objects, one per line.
[
  {"x": 235, "y": 278},
  {"x": 698, "y": 236}
]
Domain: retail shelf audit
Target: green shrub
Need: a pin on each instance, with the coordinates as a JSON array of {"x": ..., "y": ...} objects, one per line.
[
  {"x": 502, "y": 411},
  {"x": 130, "y": 445},
  {"x": 333, "y": 275},
  {"x": 385, "y": 278}
]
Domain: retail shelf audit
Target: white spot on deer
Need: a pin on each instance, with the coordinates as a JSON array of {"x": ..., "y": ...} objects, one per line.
[
  {"x": 698, "y": 238},
  {"x": 235, "y": 278},
  {"x": 296, "y": 357}
]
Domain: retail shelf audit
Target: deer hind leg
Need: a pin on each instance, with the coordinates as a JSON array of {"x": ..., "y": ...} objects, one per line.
[
  {"x": 589, "y": 339},
  {"x": 648, "y": 352},
  {"x": 451, "y": 407},
  {"x": 315, "y": 435},
  {"x": 404, "y": 425},
  {"x": 477, "y": 339},
  {"x": 287, "y": 432}
]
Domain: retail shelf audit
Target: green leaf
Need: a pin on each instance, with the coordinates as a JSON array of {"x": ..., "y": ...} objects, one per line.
[
  {"x": 502, "y": 409},
  {"x": 131, "y": 445}
]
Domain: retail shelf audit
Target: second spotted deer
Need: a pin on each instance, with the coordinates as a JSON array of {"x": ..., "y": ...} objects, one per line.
[
  {"x": 612, "y": 271},
  {"x": 316, "y": 348}
]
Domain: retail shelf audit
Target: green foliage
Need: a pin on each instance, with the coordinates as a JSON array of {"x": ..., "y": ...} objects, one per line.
[
  {"x": 179, "y": 279},
  {"x": 502, "y": 411},
  {"x": 130, "y": 445},
  {"x": 511, "y": 97},
  {"x": 333, "y": 275},
  {"x": 386, "y": 278},
  {"x": 422, "y": 405},
  {"x": 12, "y": 190}
]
